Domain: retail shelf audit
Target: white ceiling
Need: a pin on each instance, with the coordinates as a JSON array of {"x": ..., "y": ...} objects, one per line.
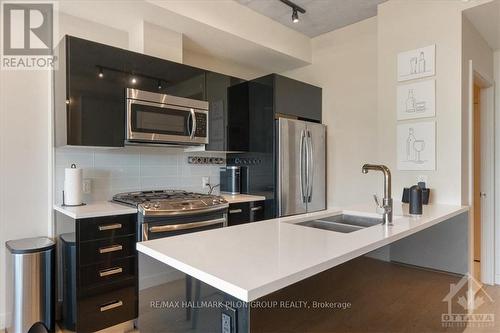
[
  {"x": 321, "y": 15},
  {"x": 486, "y": 19}
]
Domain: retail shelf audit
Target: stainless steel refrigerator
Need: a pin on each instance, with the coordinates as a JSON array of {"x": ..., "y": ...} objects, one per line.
[{"x": 301, "y": 166}]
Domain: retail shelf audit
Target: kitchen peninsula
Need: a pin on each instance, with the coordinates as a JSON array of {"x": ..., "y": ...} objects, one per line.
[{"x": 250, "y": 263}]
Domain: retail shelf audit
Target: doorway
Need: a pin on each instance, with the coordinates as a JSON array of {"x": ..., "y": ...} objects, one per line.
[
  {"x": 477, "y": 182},
  {"x": 482, "y": 176}
]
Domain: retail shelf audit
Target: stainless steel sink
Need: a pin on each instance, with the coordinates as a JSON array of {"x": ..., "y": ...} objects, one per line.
[{"x": 342, "y": 223}]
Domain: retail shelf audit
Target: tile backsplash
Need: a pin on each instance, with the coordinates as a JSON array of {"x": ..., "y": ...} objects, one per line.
[{"x": 126, "y": 169}]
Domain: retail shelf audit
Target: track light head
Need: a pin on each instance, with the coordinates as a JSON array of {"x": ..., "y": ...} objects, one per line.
[
  {"x": 101, "y": 73},
  {"x": 295, "y": 15},
  {"x": 295, "y": 10}
]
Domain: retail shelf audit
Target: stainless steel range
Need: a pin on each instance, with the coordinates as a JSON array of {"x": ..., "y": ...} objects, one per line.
[{"x": 166, "y": 213}]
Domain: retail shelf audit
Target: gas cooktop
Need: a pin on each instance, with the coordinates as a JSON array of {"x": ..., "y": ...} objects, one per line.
[{"x": 171, "y": 202}]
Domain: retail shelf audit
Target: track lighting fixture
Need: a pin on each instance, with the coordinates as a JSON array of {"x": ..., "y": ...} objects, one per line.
[
  {"x": 295, "y": 16},
  {"x": 295, "y": 10}
]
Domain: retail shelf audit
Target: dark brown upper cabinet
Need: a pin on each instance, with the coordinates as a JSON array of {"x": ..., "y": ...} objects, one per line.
[
  {"x": 90, "y": 84},
  {"x": 91, "y": 79},
  {"x": 222, "y": 118},
  {"x": 296, "y": 98}
]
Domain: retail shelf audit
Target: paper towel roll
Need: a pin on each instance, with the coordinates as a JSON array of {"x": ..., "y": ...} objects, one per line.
[{"x": 73, "y": 186}]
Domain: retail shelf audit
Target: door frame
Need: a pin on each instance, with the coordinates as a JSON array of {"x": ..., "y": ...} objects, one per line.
[{"x": 488, "y": 213}]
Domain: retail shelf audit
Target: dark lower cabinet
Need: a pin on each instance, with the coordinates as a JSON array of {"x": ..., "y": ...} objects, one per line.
[
  {"x": 105, "y": 281},
  {"x": 246, "y": 212},
  {"x": 103, "y": 310}
]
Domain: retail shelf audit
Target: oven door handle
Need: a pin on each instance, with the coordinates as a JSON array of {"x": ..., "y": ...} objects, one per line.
[{"x": 175, "y": 227}]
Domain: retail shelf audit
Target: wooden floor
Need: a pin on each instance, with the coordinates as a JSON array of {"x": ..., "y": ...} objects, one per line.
[{"x": 384, "y": 297}]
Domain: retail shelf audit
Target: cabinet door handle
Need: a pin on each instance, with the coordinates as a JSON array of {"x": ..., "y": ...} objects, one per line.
[
  {"x": 111, "y": 306},
  {"x": 235, "y": 211},
  {"x": 110, "y": 271},
  {"x": 110, "y": 226},
  {"x": 254, "y": 209},
  {"x": 112, "y": 248}
]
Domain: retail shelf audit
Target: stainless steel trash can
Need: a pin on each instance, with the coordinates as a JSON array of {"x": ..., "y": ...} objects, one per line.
[{"x": 31, "y": 285}]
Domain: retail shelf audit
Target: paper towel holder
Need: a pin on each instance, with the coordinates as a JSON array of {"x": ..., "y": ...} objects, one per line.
[
  {"x": 64, "y": 204},
  {"x": 73, "y": 166}
]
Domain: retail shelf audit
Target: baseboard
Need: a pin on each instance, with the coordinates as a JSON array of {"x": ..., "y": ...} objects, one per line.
[
  {"x": 497, "y": 279},
  {"x": 146, "y": 282}
]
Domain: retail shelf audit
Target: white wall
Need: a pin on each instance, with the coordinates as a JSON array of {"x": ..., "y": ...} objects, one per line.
[
  {"x": 25, "y": 157},
  {"x": 345, "y": 66},
  {"x": 406, "y": 25}
]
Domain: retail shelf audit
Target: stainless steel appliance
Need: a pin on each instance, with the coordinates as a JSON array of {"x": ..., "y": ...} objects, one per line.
[
  {"x": 301, "y": 166},
  {"x": 166, "y": 213},
  {"x": 230, "y": 179},
  {"x": 164, "y": 119},
  {"x": 31, "y": 285}
]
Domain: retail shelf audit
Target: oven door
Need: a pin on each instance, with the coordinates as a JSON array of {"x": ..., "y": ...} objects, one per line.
[
  {"x": 160, "y": 227},
  {"x": 163, "y": 123}
]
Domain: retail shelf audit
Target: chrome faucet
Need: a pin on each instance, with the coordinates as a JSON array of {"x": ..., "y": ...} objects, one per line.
[{"x": 387, "y": 200}]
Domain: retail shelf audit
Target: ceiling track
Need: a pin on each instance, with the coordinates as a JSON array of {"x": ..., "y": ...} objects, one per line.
[{"x": 294, "y": 6}]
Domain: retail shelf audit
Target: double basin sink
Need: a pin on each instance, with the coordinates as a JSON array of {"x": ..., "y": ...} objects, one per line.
[{"x": 344, "y": 223}]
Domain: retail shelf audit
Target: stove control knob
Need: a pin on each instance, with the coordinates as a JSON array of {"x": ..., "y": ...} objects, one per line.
[
  {"x": 156, "y": 205},
  {"x": 147, "y": 206}
]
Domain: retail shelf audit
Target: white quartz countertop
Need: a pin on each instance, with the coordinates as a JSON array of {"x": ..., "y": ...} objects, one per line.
[
  {"x": 95, "y": 209},
  {"x": 107, "y": 208},
  {"x": 237, "y": 198},
  {"x": 252, "y": 260}
]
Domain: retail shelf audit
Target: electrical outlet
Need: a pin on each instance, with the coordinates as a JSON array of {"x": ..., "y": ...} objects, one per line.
[
  {"x": 87, "y": 186},
  {"x": 422, "y": 178},
  {"x": 205, "y": 181}
]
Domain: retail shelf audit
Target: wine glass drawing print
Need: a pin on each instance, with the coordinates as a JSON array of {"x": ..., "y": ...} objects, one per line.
[
  {"x": 417, "y": 63},
  {"x": 417, "y": 146}
]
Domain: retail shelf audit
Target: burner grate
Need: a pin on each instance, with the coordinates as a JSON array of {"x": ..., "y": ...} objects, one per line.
[{"x": 136, "y": 198}]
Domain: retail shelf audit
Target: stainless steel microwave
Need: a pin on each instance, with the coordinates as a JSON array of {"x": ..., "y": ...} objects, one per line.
[{"x": 165, "y": 119}]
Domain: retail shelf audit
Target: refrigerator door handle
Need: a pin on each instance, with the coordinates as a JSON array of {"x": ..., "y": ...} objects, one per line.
[
  {"x": 303, "y": 167},
  {"x": 310, "y": 166}
]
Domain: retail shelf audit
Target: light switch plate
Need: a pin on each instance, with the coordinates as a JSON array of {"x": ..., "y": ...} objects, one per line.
[{"x": 205, "y": 181}]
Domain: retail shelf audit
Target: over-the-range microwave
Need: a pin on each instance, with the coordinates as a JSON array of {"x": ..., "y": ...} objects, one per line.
[{"x": 154, "y": 118}]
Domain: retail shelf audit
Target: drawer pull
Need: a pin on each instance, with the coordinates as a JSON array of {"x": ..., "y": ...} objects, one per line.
[
  {"x": 254, "y": 209},
  {"x": 110, "y": 271},
  {"x": 235, "y": 211},
  {"x": 111, "y": 306},
  {"x": 112, "y": 248},
  {"x": 110, "y": 226}
]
